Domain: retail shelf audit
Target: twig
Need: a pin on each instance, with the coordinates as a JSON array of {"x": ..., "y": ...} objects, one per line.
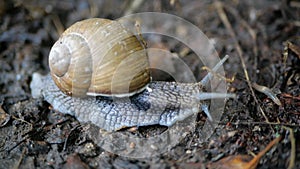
[
  {"x": 133, "y": 6},
  {"x": 293, "y": 148},
  {"x": 225, "y": 21},
  {"x": 293, "y": 48},
  {"x": 229, "y": 80},
  {"x": 261, "y": 123},
  {"x": 58, "y": 25},
  {"x": 67, "y": 139},
  {"x": 19, "y": 162},
  {"x": 94, "y": 10},
  {"x": 246, "y": 25},
  {"x": 255, "y": 160},
  {"x": 250, "y": 30}
]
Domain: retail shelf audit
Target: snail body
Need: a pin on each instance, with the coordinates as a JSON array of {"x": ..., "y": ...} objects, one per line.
[
  {"x": 164, "y": 104},
  {"x": 116, "y": 64}
]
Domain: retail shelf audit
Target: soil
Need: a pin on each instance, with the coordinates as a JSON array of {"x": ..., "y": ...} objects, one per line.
[{"x": 32, "y": 135}]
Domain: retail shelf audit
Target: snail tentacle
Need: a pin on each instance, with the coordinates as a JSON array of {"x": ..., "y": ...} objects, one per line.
[{"x": 206, "y": 79}]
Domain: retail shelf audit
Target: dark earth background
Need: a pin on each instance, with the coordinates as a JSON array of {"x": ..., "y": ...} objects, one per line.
[{"x": 32, "y": 135}]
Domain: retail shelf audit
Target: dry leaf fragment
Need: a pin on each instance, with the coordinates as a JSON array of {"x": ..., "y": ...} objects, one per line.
[
  {"x": 267, "y": 91},
  {"x": 242, "y": 161}
]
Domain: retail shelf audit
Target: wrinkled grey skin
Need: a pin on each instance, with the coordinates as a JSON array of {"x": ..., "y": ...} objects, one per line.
[{"x": 161, "y": 103}]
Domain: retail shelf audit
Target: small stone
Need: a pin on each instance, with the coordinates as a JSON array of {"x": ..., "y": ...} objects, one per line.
[{"x": 132, "y": 145}]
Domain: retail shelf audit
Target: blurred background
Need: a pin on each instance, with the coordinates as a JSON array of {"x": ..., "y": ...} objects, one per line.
[{"x": 31, "y": 138}]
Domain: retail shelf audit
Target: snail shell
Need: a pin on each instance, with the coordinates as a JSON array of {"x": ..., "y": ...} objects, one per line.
[{"x": 99, "y": 57}]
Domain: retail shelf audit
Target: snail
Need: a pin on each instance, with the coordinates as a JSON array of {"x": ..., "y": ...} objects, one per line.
[{"x": 100, "y": 57}]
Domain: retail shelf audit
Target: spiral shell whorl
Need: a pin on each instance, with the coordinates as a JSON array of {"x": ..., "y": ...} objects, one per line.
[
  {"x": 99, "y": 57},
  {"x": 73, "y": 74}
]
